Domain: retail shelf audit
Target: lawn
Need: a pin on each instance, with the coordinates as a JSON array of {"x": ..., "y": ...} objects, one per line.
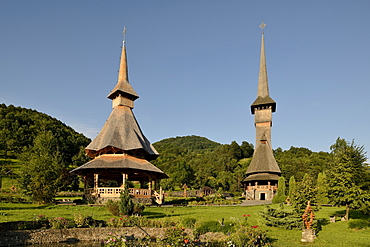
[{"x": 332, "y": 234}]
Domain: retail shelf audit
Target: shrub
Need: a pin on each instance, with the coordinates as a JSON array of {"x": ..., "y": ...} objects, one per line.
[
  {"x": 126, "y": 206},
  {"x": 113, "y": 207},
  {"x": 189, "y": 222},
  {"x": 138, "y": 209},
  {"x": 214, "y": 226},
  {"x": 128, "y": 221},
  {"x": 248, "y": 236},
  {"x": 358, "y": 224},
  {"x": 83, "y": 221},
  {"x": 59, "y": 223},
  {"x": 178, "y": 237},
  {"x": 281, "y": 218}
]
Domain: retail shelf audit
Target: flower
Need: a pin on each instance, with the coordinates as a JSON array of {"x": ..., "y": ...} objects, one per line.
[
  {"x": 186, "y": 241},
  {"x": 254, "y": 226}
]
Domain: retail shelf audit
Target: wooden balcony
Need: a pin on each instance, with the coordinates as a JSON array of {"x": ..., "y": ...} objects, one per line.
[
  {"x": 262, "y": 187},
  {"x": 116, "y": 191}
]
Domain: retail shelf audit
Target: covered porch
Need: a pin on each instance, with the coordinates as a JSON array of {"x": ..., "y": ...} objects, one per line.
[
  {"x": 107, "y": 175},
  {"x": 104, "y": 185}
]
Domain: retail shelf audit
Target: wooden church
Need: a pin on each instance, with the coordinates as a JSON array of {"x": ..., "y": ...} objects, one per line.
[
  {"x": 121, "y": 153},
  {"x": 263, "y": 172}
]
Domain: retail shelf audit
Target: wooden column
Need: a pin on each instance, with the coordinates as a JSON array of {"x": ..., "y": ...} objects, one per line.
[
  {"x": 124, "y": 178},
  {"x": 150, "y": 185},
  {"x": 84, "y": 182},
  {"x": 154, "y": 185},
  {"x": 96, "y": 181}
]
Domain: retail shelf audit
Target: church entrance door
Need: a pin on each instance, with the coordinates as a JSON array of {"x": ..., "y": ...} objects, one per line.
[{"x": 262, "y": 196}]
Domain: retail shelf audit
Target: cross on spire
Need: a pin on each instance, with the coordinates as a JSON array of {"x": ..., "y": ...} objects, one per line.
[
  {"x": 124, "y": 34},
  {"x": 262, "y": 26}
]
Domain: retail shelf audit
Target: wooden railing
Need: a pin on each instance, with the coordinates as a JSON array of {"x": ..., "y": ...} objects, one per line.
[
  {"x": 116, "y": 191},
  {"x": 261, "y": 187}
]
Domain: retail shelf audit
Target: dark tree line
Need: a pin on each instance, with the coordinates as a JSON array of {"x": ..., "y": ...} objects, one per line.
[
  {"x": 297, "y": 161},
  {"x": 198, "y": 162}
]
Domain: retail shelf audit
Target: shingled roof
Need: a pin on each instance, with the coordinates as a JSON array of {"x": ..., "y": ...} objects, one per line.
[
  {"x": 263, "y": 161},
  {"x": 119, "y": 161},
  {"x": 124, "y": 88},
  {"x": 122, "y": 131},
  {"x": 260, "y": 101},
  {"x": 261, "y": 177}
]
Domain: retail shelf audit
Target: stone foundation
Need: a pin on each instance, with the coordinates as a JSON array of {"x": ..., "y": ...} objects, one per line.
[
  {"x": 18, "y": 237},
  {"x": 104, "y": 200}
]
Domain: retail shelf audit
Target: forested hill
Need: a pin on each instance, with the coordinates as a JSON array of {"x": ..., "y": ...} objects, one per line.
[
  {"x": 198, "y": 162},
  {"x": 186, "y": 144},
  {"x": 20, "y": 126}
]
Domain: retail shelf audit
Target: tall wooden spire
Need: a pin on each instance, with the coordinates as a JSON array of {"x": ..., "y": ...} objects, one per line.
[
  {"x": 123, "y": 93},
  {"x": 263, "y": 169},
  {"x": 263, "y": 106},
  {"x": 263, "y": 87}
]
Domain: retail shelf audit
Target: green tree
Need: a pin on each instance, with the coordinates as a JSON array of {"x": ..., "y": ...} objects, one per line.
[
  {"x": 298, "y": 161},
  {"x": 322, "y": 188},
  {"x": 182, "y": 173},
  {"x": 280, "y": 196},
  {"x": 72, "y": 181},
  {"x": 292, "y": 186},
  {"x": 41, "y": 170},
  {"x": 304, "y": 192},
  {"x": 347, "y": 176},
  {"x": 126, "y": 206},
  {"x": 247, "y": 149}
]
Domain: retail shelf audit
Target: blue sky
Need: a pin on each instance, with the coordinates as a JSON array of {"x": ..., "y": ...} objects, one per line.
[{"x": 194, "y": 65}]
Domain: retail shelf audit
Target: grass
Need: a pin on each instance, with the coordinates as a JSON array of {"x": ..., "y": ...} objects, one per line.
[
  {"x": 10, "y": 179},
  {"x": 27, "y": 212},
  {"x": 332, "y": 234}
]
